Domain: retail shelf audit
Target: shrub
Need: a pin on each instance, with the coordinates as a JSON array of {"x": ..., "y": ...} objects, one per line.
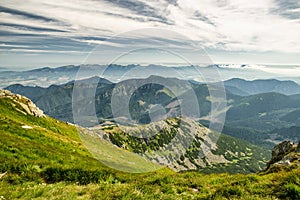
[
  {"x": 293, "y": 178},
  {"x": 291, "y": 191},
  {"x": 76, "y": 175},
  {"x": 14, "y": 179}
]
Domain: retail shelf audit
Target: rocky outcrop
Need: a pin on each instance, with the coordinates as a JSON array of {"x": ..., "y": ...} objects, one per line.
[
  {"x": 183, "y": 144},
  {"x": 285, "y": 154},
  {"x": 28, "y": 107}
]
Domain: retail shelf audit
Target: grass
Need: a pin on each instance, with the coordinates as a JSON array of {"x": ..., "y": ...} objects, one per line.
[
  {"x": 116, "y": 157},
  {"x": 159, "y": 185},
  {"x": 49, "y": 161}
]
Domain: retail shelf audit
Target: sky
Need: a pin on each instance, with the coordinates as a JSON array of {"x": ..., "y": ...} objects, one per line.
[{"x": 53, "y": 33}]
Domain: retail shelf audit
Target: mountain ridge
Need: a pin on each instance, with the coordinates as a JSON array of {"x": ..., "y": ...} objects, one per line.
[
  {"x": 248, "y": 117},
  {"x": 115, "y": 72},
  {"x": 263, "y": 85}
]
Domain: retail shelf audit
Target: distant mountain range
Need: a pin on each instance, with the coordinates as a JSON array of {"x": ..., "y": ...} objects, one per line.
[
  {"x": 46, "y": 76},
  {"x": 245, "y": 88},
  {"x": 253, "y": 117}
]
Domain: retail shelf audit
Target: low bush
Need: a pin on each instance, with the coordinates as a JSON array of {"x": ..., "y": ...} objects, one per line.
[
  {"x": 76, "y": 175},
  {"x": 291, "y": 191}
]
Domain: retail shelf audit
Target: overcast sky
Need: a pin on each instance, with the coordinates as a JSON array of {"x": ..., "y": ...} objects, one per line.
[{"x": 52, "y": 33}]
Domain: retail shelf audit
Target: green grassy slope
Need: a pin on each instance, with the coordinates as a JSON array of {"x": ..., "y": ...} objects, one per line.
[
  {"x": 50, "y": 162},
  {"x": 188, "y": 185},
  {"x": 49, "y": 143}
]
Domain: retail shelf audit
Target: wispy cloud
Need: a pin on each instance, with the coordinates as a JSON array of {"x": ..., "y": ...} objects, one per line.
[
  {"x": 289, "y": 9},
  {"x": 25, "y": 14},
  {"x": 220, "y": 25}
]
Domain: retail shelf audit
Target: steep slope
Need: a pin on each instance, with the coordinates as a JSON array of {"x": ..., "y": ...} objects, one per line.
[{"x": 32, "y": 144}]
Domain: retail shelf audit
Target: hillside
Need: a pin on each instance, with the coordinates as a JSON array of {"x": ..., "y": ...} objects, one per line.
[
  {"x": 227, "y": 155},
  {"x": 183, "y": 144},
  {"x": 35, "y": 142},
  {"x": 255, "y": 117},
  {"x": 251, "y": 118},
  {"x": 44, "y": 158}
]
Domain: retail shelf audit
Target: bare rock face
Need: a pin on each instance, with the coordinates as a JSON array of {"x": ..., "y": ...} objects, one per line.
[
  {"x": 28, "y": 106},
  {"x": 280, "y": 150},
  {"x": 285, "y": 154}
]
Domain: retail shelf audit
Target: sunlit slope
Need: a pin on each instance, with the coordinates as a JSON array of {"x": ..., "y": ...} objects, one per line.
[{"x": 38, "y": 143}]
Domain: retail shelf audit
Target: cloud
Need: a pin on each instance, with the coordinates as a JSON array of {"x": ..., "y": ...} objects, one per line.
[
  {"x": 287, "y": 8},
  {"x": 24, "y": 14},
  {"x": 220, "y": 25},
  {"x": 28, "y": 28},
  {"x": 42, "y": 51},
  {"x": 141, "y": 9},
  {"x": 199, "y": 16}
]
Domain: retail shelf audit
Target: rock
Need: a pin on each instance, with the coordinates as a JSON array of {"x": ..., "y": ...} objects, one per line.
[
  {"x": 284, "y": 154},
  {"x": 26, "y": 127},
  {"x": 29, "y": 107},
  {"x": 282, "y": 149},
  {"x": 35, "y": 110},
  {"x": 3, "y": 174}
]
